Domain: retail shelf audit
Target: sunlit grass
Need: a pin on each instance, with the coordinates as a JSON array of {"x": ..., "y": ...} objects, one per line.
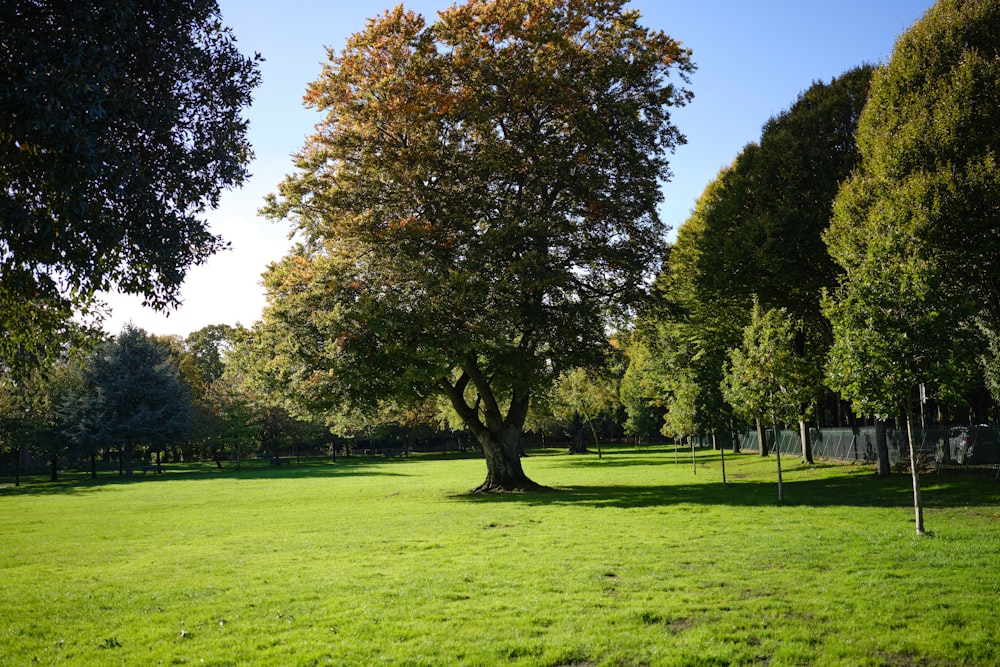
[{"x": 630, "y": 560}]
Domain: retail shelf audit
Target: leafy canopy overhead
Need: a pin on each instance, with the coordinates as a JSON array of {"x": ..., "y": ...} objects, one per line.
[
  {"x": 755, "y": 233},
  {"x": 482, "y": 192},
  {"x": 120, "y": 123},
  {"x": 915, "y": 226}
]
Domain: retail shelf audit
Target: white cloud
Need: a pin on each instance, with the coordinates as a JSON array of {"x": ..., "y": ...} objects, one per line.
[{"x": 224, "y": 290}]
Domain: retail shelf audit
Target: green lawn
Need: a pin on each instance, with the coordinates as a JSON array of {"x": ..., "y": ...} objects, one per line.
[{"x": 633, "y": 560}]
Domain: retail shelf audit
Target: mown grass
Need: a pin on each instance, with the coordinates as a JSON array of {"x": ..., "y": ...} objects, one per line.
[{"x": 630, "y": 560}]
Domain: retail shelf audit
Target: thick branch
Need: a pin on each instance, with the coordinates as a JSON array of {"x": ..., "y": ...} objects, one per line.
[
  {"x": 491, "y": 409},
  {"x": 456, "y": 394}
]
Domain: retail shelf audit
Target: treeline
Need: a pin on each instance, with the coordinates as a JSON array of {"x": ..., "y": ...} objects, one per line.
[
  {"x": 137, "y": 399},
  {"x": 844, "y": 265},
  {"x": 140, "y": 399},
  {"x": 473, "y": 259}
]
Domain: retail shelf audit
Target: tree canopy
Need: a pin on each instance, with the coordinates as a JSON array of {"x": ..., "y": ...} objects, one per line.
[
  {"x": 755, "y": 233},
  {"x": 914, "y": 227},
  {"x": 477, "y": 204},
  {"x": 120, "y": 124},
  {"x": 132, "y": 395}
]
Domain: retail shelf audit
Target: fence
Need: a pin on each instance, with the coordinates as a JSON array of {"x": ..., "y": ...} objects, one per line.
[{"x": 955, "y": 447}]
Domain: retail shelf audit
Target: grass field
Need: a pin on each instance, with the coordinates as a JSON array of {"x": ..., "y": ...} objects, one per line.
[{"x": 631, "y": 560}]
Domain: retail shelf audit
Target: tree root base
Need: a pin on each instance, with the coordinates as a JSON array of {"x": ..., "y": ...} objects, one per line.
[{"x": 526, "y": 486}]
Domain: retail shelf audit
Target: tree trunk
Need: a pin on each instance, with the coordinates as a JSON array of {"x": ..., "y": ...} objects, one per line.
[
  {"x": 93, "y": 465},
  {"x": 17, "y": 465},
  {"x": 761, "y": 438},
  {"x": 694, "y": 460},
  {"x": 54, "y": 471},
  {"x": 882, "y": 449},
  {"x": 807, "y": 448},
  {"x": 503, "y": 463},
  {"x": 578, "y": 446},
  {"x": 722, "y": 453},
  {"x": 597, "y": 441},
  {"x": 127, "y": 453},
  {"x": 499, "y": 435},
  {"x": 777, "y": 455},
  {"x": 918, "y": 508}
]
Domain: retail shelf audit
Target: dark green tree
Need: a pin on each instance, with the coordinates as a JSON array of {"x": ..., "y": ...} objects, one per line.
[
  {"x": 133, "y": 396},
  {"x": 687, "y": 337},
  {"x": 756, "y": 231},
  {"x": 209, "y": 347},
  {"x": 27, "y": 419},
  {"x": 207, "y": 351},
  {"x": 477, "y": 207},
  {"x": 120, "y": 124}
]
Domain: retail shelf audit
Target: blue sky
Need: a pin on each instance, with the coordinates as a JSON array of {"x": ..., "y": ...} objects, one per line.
[{"x": 753, "y": 58}]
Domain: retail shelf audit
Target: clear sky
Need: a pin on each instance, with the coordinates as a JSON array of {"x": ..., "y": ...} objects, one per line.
[{"x": 753, "y": 59}]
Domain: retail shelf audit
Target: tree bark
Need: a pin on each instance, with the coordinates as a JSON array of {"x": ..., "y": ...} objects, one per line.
[
  {"x": 722, "y": 453},
  {"x": 503, "y": 463},
  {"x": 578, "y": 446},
  {"x": 761, "y": 438},
  {"x": 777, "y": 455},
  {"x": 882, "y": 449},
  {"x": 918, "y": 507},
  {"x": 499, "y": 435},
  {"x": 807, "y": 448},
  {"x": 128, "y": 454},
  {"x": 597, "y": 441}
]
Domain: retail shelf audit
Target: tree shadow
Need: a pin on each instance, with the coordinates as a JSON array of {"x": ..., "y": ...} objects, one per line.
[
  {"x": 251, "y": 469},
  {"x": 853, "y": 491}
]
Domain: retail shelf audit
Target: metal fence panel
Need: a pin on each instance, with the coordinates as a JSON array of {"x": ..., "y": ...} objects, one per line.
[{"x": 948, "y": 447}]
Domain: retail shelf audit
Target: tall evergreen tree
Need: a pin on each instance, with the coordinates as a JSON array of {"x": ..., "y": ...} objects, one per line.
[
  {"x": 915, "y": 227},
  {"x": 133, "y": 396}
]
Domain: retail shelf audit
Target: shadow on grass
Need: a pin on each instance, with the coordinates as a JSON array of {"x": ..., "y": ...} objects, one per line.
[
  {"x": 820, "y": 493},
  {"x": 250, "y": 469},
  {"x": 836, "y": 485}
]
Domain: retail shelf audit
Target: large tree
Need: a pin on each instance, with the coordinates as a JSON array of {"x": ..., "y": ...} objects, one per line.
[
  {"x": 930, "y": 138},
  {"x": 120, "y": 124},
  {"x": 27, "y": 418},
  {"x": 479, "y": 201}
]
